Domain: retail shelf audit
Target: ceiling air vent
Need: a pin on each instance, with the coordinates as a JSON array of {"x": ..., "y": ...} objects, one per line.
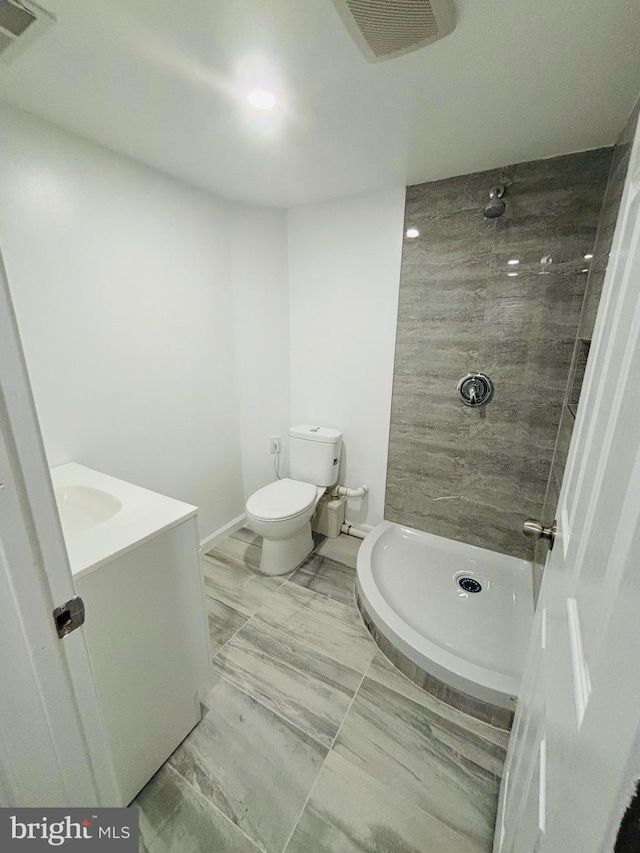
[
  {"x": 20, "y": 24},
  {"x": 383, "y": 29}
]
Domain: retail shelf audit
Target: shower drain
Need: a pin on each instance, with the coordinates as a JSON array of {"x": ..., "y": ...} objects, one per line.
[{"x": 470, "y": 585}]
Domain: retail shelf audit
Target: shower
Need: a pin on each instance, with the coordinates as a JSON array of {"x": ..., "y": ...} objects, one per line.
[
  {"x": 471, "y": 300},
  {"x": 496, "y": 206}
]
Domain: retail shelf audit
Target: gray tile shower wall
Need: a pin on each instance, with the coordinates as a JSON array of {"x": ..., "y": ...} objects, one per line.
[
  {"x": 597, "y": 270},
  {"x": 475, "y": 474}
]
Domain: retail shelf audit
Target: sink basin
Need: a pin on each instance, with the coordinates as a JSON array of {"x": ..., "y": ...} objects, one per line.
[{"x": 83, "y": 507}]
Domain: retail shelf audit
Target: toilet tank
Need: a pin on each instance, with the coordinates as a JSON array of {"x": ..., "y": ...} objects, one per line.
[{"x": 314, "y": 454}]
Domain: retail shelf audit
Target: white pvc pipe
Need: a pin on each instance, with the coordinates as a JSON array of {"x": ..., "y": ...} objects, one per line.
[
  {"x": 350, "y": 530},
  {"x": 353, "y": 493}
]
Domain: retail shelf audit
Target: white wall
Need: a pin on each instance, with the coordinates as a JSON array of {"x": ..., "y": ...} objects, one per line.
[
  {"x": 344, "y": 276},
  {"x": 121, "y": 279},
  {"x": 261, "y": 310},
  {"x": 159, "y": 324}
]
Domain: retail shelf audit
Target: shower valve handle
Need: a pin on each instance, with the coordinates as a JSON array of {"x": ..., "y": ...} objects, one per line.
[
  {"x": 534, "y": 530},
  {"x": 475, "y": 389}
]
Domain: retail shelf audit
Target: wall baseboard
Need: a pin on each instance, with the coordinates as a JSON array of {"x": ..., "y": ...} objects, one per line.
[{"x": 208, "y": 542}]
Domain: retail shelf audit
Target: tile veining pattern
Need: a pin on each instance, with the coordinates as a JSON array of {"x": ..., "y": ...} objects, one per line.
[
  {"x": 597, "y": 270},
  {"x": 475, "y": 474},
  {"x": 311, "y": 741}
]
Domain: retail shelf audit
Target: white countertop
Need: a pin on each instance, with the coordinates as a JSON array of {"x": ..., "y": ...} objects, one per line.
[{"x": 117, "y": 516}]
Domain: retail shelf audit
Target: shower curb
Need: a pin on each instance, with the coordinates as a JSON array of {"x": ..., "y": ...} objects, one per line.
[{"x": 500, "y": 718}]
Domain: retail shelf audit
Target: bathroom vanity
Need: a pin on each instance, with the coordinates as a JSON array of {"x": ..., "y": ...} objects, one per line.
[{"x": 135, "y": 561}]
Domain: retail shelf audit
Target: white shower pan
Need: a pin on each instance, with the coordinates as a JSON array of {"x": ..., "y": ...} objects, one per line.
[{"x": 408, "y": 585}]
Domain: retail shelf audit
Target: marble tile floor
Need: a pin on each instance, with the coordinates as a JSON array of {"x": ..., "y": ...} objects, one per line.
[{"x": 311, "y": 740}]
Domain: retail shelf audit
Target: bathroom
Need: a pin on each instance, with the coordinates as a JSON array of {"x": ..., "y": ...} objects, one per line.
[{"x": 191, "y": 277}]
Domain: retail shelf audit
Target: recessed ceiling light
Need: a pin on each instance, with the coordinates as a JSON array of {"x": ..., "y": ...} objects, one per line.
[
  {"x": 588, "y": 257},
  {"x": 412, "y": 233},
  {"x": 261, "y": 99},
  {"x": 513, "y": 262},
  {"x": 512, "y": 274}
]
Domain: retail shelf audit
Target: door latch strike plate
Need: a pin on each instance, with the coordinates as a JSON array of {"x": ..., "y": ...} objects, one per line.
[{"x": 69, "y": 616}]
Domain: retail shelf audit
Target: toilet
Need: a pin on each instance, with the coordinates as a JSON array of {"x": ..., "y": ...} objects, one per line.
[{"x": 281, "y": 512}]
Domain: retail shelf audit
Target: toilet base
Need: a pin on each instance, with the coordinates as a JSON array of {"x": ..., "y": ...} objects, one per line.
[{"x": 281, "y": 556}]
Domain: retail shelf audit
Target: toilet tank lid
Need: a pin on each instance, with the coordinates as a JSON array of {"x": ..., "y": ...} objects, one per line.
[{"x": 310, "y": 432}]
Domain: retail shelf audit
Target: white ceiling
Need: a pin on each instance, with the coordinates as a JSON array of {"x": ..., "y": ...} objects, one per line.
[{"x": 164, "y": 82}]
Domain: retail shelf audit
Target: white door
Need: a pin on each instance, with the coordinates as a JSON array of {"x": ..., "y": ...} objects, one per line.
[
  {"x": 53, "y": 749},
  {"x": 574, "y": 755}
]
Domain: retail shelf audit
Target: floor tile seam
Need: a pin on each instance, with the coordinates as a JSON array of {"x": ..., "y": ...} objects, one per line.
[
  {"x": 223, "y": 561},
  {"x": 287, "y": 638},
  {"x": 232, "y": 563},
  {"x": 465, "y": 759},
  {"x": 279, "y": 589},
  {"x": 445, "y": 749},
  {"x": 340, "y": 563},
  {"x": 226, "y": 603},
  {"x": 310, "y": 572},
  {"x": 245, "y": 616},
  {"x": 215, "y": 598},
  {"x": 309, "y": 646},
  {"x": 326, "y": 595},
  {"x": 275, "y": 713},
  {"x": 313, "y": 592},
  {"x": 313, "y": 572},
  {"x": 306, "y": 802},
  {"x": 435, "y": 711},
  {"x": 317, "y": 553},
  {"x": 228, "y": 640},
  {"x": 229, "y": 606},
  {"x": 335, "y": 560},
  {"x": 165, "y": 820},
  {"x": 406, "y": 799},
  {"x": 296, "y": 588},
  {"x": 385, "y": 686},
  {"x": 211, "y": 805},
  {"x": 239, "y": 539},
  {"x": 348, "y": 711},
  {"x": 157, "y": 832}
]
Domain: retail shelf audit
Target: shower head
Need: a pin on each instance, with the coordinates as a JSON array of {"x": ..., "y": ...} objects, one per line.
[{"x": 496, "y": 206}]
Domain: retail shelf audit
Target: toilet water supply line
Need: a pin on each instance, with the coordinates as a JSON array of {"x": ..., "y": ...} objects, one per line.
[{"x": 342, "y": 491}]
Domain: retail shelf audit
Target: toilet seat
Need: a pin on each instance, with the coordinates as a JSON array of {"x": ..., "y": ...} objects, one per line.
[{"x": 282, "y": 500}]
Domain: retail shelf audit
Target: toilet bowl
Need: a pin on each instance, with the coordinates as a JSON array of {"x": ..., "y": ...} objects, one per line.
[{"x": 281, "y": 512}]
